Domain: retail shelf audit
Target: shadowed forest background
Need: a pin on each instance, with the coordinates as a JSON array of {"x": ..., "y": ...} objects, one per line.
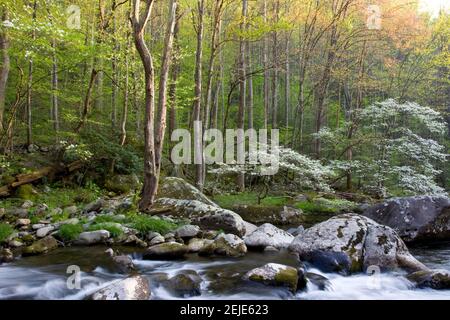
[{"x": 361, "y": 96}]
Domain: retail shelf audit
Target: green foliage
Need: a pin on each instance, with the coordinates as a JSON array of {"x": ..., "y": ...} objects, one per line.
[
  {"x": 249, "y": 198},
  {"x": 70, "y": 232},
  {"x": 145, "y": 224},
  {"x": 322, "y": 205},
  {"x": 5, "y": 231},
  {"x": 25, "y": 192},
  {"x": 114, "y": 229}
]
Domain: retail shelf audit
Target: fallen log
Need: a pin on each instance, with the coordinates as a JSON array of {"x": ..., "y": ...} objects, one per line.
[{"x": 26, "y": 178}]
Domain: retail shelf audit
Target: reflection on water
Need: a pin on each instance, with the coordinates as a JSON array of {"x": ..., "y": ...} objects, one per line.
[{"x": 44, "y": 277}]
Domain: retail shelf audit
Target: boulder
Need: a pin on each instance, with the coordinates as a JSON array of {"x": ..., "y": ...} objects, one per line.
[
  {"x": 351, "y": 243},
  {"x": 321, "y": 282},
  {"x": 195, "y": 244},
  {"x": 95, "y": 206},
  {"x": 185, "y": 284},
  {"x": 23, "y": 222},
  {"x": 18, "y": 212},
  {"x": 249, "y": 228},
  {"x": 41, "y": 246},
  {"x": 168, "y": 250},
  {"x": 274, "y": 274},
  {"x": 268, "y": 235},
  {"x": 187, "y": 231},
  {"x": 177, "y": 188},
  {"x": 27, "y": 204},
  {"x": 225, "y": 245},
  {"x": 133, "y": 288},
  {"x": 92, "y": 237},
  {"x": 415, "y": 218},
  {"x": 205, "y": 216},
  {"x": 6, "y": 256},
  {"x": 43, "y": 232},
  {"x": 434, "y": 279},
  {"x": 157, "y": 240},
  {"x": 122, "y": 183},
  {"x": 277, "y": 215}
]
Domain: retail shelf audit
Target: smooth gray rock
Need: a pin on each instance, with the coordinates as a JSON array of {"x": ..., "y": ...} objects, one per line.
[
  {"x": 268, "y": 235},
  {"x": 187, "y": 231},
  {"x": 415, "y": 218},
  {"x": 225, "y": 245},
  {"x": 275, "y": 274},
  {"x": 92, "y": 237},
  {"x": 43, "y": 232},
  {"x": 177, "y": 188},
  {"x": 168, "y": 250},
  {"x": 133, "y": 288}
]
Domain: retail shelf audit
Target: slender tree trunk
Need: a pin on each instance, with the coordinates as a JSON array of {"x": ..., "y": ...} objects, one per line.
[
  {"x": 139, "y": 23},
  {"x": 199, "y": 170},
  {"x": 174, "y": 72},
  {"x": 163, "y": 82},
  {"x": 250, "y": 102},
  {"x": 55, "y": 108},
  {"x": 30, "y": 84},
  {"x": 287, "y": 84},
  {"x": 4, "y": 67},
  {"x": 87, "y": 101},
  {"x": 123, "y": 122},
  {"x": 114, "y": 77},
  {"x": 275, "y": 70},
  {"x": 266, "y": 71},
  {"x": 242, "y": 91}
]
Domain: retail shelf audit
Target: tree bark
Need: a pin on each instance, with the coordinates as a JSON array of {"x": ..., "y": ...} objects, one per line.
[
  {"x": 199, "y": 169},
  {"x": 30, "y": 83},
  {"x": 4, "y": 67},
  {"x": 55, "y": 107}
]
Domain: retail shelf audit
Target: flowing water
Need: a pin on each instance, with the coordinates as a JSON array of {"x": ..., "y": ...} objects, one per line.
[{"x": 45, "y": 277}]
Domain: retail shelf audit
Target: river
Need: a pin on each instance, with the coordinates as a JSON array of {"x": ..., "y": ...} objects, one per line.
[{"x": 45, "y": 277}]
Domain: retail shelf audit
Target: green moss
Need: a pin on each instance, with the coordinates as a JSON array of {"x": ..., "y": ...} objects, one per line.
[
  {"x": 60, "y": 217},
  {"x": 249, "y": 198},
  {"x": 322, "y": 205},
  {"x": 25, "y": 192},
  {"x": 70, "y": 232},
  {"x": 114, "y": 229},
  {"x": 145, "y": 224},
  {"x": 5, "y": 231},
  {"x": 287, "y": 277}
]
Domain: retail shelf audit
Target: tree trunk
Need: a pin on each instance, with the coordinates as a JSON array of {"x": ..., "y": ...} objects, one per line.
[
  {"x": 275, "y": 70},
  {"x": 123, "y": 122},
  {"x": 266, "y": 71},
  {"x": 287, "y": 84},
  {"x": 242, "y": 93},
  {"x": 139, "y": 22},
  {"x": 199, "y": 172},
  {"x": 4, "y": 67},
  {"x": 163, "y": 81},
  {"x": 115, "y": 78},
  {"x": 30, "y": 83},
  {"x": 55, "y": 109},
  {"x": 250, "y": 102}
]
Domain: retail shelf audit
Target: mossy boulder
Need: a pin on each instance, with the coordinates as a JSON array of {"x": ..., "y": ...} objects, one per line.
[
  {"x": 41, "y": 246},
  {"x": 177, "y": 188},
  {"x": 351, "y": 243},
  {"x": 434, "y": 279},
  {"x": 167, "y": 250},
  {"x": 122, "y": 183},
  {"x": 274, "y": 274},
  {"x": 228, "y": 245},
  {"x": 185, "y": 284}
]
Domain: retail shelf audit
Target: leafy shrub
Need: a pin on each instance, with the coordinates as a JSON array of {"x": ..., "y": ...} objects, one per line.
[
  {"x": 5, "y": 231},
  {"x": 145, "y": 224},
  {"x": 69, "y": 232}
]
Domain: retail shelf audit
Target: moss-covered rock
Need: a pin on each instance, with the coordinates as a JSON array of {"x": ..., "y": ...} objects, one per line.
[
  {"x": 168, "y": 250},
  {"x": 41, "y": 246},
  {"x": 434, "y": 279},
  {"x": 122, "y": 183},
  {"x": 277, "y": 215},
  {"x": 351, "y": 243},
  {"x": 225, "y": 245},
  {"x": 177, "y": 188},
  {"x": 185, "y": 284},
  {"x": 274, "y": 274}
]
